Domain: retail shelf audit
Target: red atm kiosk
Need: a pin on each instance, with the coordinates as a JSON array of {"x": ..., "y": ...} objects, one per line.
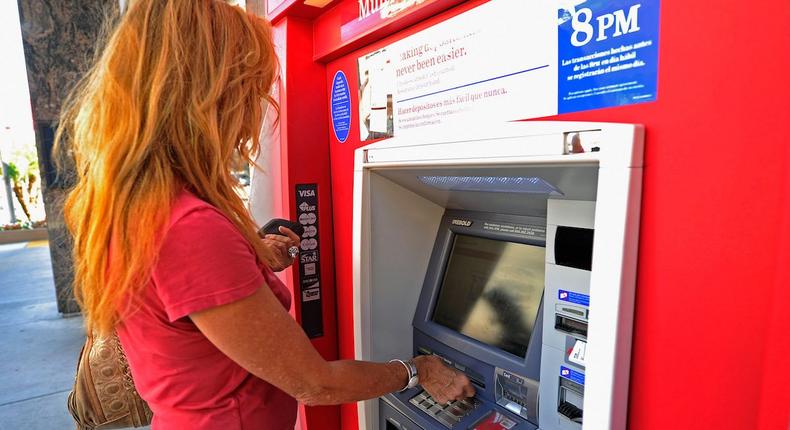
[{"x": 709, "y": 321}]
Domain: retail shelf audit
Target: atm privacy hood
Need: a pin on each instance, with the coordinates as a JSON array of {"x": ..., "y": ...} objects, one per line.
[
  {"x": 568, "y": 156},
  {"x": 487, "y": 193}
]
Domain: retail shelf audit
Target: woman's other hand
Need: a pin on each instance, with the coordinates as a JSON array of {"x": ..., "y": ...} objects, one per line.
[
  {"x": 443, "y": 383},
  {"x": 280, "y": 244}
]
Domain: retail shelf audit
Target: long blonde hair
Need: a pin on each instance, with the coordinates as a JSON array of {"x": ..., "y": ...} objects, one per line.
[{"x": 175, "y": 95}]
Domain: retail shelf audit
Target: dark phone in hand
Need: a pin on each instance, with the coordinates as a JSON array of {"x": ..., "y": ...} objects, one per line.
[{"x": 273, "y": 227}]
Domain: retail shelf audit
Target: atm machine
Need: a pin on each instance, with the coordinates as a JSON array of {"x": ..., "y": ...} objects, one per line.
[{"x": 510, "y": 254}]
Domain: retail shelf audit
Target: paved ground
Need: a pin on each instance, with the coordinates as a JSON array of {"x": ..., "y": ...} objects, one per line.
[{"x": 38, "y": 348}]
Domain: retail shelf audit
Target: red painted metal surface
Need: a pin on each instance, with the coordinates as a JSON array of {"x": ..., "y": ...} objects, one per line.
[
  {"x": 710, "y": 338},
  {"x": 337, "y": 32},
  {"x": 279, "y": 9},
  {"x": 304, "y": 132},
  {"x": 711, "y": 324}
]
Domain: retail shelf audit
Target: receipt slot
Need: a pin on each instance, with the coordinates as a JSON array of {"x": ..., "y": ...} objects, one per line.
[{"x": 510, "y": 254}]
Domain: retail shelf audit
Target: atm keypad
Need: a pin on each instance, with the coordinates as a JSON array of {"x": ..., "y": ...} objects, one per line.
[{"x": 448, "y": 414}]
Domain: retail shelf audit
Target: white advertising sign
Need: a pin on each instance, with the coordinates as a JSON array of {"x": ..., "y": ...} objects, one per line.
[{"x": 509, "y": 60}]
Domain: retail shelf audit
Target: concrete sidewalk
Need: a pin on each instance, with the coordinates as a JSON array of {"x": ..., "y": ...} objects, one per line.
[{"x": 38, "y": 348}]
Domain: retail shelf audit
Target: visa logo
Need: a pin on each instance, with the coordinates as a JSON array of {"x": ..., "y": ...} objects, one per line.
[{"x": 306, "y": 193}]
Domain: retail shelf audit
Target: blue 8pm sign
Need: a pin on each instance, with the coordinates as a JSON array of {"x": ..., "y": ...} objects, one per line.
[{"x": 608, "y": 53}]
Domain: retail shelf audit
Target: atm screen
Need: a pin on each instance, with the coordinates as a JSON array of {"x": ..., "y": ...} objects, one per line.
[{"x": 491, "y": 291}]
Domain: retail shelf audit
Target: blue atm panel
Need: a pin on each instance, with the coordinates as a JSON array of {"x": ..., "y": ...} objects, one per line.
[{"x": 481, "y": 310}]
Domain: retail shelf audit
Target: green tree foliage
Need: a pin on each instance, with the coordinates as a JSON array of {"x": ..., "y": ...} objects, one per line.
[{"x": 23, "y": 172}]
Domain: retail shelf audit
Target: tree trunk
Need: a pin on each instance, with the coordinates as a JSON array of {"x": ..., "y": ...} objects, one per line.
[
  {"x": 32, "y": 196},
  {"x": 20, "y": 197}
]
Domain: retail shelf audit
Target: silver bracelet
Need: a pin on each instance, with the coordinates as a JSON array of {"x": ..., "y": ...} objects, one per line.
[{"x": 408, "y": 372}]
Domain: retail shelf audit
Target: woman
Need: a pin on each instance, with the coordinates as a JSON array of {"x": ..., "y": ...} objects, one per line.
[{"x": 165, "y": 251}]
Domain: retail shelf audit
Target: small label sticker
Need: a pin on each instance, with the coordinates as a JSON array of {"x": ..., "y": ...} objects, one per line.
[
  {"x": 309, "y": 269},
  {"x": 530, "y": 231},
  {"x": 309, "y": 257},
  {"x": 307, "y": 218},
  {"x": 311, "y": 294},
  {"x": 309, "y": 244},
  {"x": 572, "y": 375},
  {"x": 573, "y": 297},
  {"x": 310, "y": 231},
  {"x": 578, "y": 353}
]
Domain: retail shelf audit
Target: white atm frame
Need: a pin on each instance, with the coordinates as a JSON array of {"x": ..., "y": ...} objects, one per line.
[{"x": 619, "y": 155}]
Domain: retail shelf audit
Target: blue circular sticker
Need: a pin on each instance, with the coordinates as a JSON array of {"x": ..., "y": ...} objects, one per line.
[{"x": 340, "y": 102}]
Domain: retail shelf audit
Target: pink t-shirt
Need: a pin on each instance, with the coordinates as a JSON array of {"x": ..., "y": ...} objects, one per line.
[{"x": 188, "y": 383}]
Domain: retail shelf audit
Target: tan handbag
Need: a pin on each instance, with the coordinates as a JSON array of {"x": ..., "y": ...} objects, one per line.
[{"x": 104, "y": 396}]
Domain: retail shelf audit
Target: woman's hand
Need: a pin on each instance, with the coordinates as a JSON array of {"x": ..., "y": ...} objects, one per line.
[
  {"x": 443, "y": 383},
  {"x": 279, "y": 245}
]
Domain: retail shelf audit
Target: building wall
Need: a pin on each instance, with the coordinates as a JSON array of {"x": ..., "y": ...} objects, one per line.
[{"x": 59, "y": 39}]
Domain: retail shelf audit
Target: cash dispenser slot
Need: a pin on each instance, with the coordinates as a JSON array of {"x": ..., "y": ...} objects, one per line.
[{"x": 571, "y": 400}]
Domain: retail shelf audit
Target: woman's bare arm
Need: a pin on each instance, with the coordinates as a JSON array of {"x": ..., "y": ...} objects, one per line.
[{"x": 258, "y": 334}]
